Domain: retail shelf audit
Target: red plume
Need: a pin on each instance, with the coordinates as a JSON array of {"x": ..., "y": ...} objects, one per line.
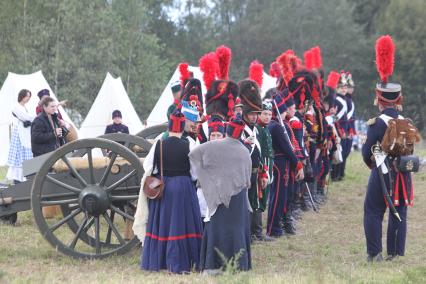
[
  {"x": 274, "y": 70},
  {"x": 308, "y": 56},
  {"x": 333, "y": 79},
  {"x": 286, "y": 70},
  {"x": 224, "y": 56},
  {"x": 295, "y": 63},
  {"x": 256, "y": 72},
  {"x": 209, "y": 66},
  {"x": 184, "y": 73},
  {"x": 289, "y": 52},
  {"x": 385, "y": 52},
  {"x": 317, "y": 59}
]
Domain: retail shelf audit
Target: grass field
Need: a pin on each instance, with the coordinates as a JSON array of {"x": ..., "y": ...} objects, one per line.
[{"x": 329, "y": 248}]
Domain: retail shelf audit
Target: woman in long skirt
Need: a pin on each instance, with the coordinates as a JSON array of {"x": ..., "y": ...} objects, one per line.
[
  {"x": 223, "y": 168},
  {"x": 20, "y": 143},
  {"x": 174, "y": 232}
]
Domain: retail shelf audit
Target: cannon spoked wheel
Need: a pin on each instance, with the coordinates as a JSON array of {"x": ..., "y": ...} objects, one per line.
[
  {"x": 136, "y": 144},
  {"x": 93, "y": 194},
  {"x": 153, "y": 131}
]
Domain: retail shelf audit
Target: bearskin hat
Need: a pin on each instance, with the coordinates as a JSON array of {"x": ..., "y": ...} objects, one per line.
[
  {"x": 221, "y": 97},
  {"x": 303, "y": 88},
  {"x": 250, "y": 96}
]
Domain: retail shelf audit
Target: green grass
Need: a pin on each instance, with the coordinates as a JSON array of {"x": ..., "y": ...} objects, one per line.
[{"x": 329, "y": 248}]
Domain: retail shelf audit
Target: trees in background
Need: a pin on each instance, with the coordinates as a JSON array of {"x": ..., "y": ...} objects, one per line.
[{"x": 76, "y": 42}]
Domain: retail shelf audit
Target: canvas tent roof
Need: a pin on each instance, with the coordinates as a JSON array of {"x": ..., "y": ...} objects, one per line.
[
  {"x": 111, "y": 96},
  {"x": 158, "y": 114},
  {"x": 9, "y": 97}
]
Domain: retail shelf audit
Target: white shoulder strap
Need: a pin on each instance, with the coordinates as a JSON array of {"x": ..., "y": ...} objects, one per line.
[
  {"x": 344, "y": 109},
  {"x": 386, "y": 118}
]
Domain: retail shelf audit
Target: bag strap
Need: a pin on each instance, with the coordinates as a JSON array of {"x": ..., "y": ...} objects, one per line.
[{"x": 161, "y": 159}]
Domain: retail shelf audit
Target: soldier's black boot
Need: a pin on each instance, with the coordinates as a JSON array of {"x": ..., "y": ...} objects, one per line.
[
  {"x": 375, "y": 258},
  {"x": 289, "y": 224},
  {"x": 306, "y": 204}
]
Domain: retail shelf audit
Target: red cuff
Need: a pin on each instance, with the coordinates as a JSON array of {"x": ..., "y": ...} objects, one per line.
[{"x": 299, "y": 166}]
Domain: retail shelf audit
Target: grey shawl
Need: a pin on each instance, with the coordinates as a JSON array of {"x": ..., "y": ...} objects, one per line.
[{"x": 223, "y": 168}]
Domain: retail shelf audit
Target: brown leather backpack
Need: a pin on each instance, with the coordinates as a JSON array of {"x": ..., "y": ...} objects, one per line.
[{"x": 400, "y": 137}]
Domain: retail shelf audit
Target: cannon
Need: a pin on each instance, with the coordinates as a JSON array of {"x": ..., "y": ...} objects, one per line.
[{"x": 95, "y": 183}]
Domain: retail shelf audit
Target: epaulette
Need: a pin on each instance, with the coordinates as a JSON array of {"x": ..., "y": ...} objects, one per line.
[{"x": 371, "y": 121}]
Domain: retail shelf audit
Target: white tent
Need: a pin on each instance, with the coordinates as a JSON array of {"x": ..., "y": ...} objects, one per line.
[
  {"x": 158, "y": 114},
  {"x": 9, "y": 97},
  {"x": 111, "y": 96}
]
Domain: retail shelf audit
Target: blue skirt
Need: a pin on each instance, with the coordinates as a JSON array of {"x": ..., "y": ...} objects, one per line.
[
  {"x": 174, "y": 230},
  {"x": 227, "y": 235},
  {"x": 17, "y": 152}
]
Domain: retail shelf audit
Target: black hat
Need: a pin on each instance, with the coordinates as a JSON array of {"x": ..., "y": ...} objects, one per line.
[
  {"x": 279, "y": 102},
  {"x": 44, "y": 92},
  {"x": 221, "y": 97},
  {"x": 301, "y": 88},
  {"x": 176, "y": 87},
  {"x": 250, "y": 96},
  {"x": 116, "y": 113},
  {"x": 267, "y": 104},
  {"x": 192, "y": 93}
]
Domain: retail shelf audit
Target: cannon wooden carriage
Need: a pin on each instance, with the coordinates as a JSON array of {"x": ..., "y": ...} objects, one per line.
[{"x": 96, "y": 184}]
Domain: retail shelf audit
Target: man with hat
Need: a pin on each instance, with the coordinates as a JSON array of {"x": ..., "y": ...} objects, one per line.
[
  {"x": 252, "y": 106},
  {"x": 285, "y": 161},
  {"x": 117, "y": 126},
  {"x": 341, "y": 123},
  {"x": 176, "y": 92},
  {"x": 294, "y": 121},
  {"x": 267, "y": 153},
  {"x": 381, "y": 191}
]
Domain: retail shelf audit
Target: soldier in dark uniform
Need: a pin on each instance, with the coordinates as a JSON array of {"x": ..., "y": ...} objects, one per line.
[
  {"x": 350, "y": 115},
  {"x": 267, "y": 153},
  {"x": 341, "y": 124},
  {"x": 389, "y": 101},
  {"x": 117, "y": 126},
  {"x": 252, "y": 105},
  {"x": 285, "y": 161}
]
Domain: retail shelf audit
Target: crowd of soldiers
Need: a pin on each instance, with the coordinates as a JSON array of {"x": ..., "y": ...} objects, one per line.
[
  {"x": 317, "y": 116},
  {"x": 296, "y": 134}
]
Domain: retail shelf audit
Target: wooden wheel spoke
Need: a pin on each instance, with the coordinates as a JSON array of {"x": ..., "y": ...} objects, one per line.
[
  {"x": 122, "y": 213},
  {"x": 73, "y": 207},
  {"x": 114, "y": 229},
  {"x": 89, "y": 224},
  {"x": 97, "y": 236},
  {"x": 64, "y": 220},
  {"x": 127, "y": 144},
  {"x": 77, "y": 234},
  {"x": 74, "y": 171},
  {"x": 62, "y": 184},
  {"x": 120, "y": 181},
  {"x": 108, "y": 236},
  {"x": 90, "y": 164},
  {"x": 58, "y": 202},
  {"x": 108, "y": 169},
  {"x": 123, "y": 197}
]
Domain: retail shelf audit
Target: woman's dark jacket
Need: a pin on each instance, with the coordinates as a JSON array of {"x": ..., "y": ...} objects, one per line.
[{"x": 43, "y": 138}]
